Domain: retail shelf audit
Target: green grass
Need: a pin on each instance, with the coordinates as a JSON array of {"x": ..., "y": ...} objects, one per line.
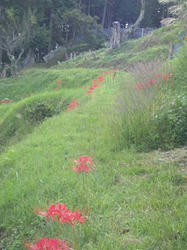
[
  {"x": 125, "y": 191},
  {"x": 137, "y": 200},
  {"x": 37, "y": 80},
  {"x": 33, "y": 88}
]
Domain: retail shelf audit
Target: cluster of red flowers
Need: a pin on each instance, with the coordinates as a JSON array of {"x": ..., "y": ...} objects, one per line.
[
  {"x": 6, "y": 100},
  {"x": 72, "y": 105},
  {"x": 158, "y": 77},
  {"x": 48, "y": 244},
  {"x": 99, "y": 79},
  {"x": 61, "y": 213},
  {"x": 94, "y": 86},
  {"x": 83, "y": 164},
  {"x": 59, "y": 82}
]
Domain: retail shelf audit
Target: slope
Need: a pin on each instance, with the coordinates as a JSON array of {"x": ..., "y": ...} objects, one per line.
[{"x": 131, "y": 200}]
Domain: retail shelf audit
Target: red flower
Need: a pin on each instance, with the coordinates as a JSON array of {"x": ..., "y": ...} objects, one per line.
[
  {"x": 92, "y": 88},
  {"x": 95, "y": 81},
  {"x": 159, "y": 75},
  {"x": 40, "y": 212},
  {"x": 82, "y": 168},
  {"x": 105, "y": 73},
  {"x": 59, "y": 82},
  {"x": 72, "y": 105},
  {"x": 166, "y": 77},
  {"x": 111, "y": 71},
  {"x": 138, "y": 86},
  {"x": 100, "y": 79},
  {"x": 57, "y": 89},
  {"x": 152, "y": 81},
  {"x": 6, "y": 100},
  {"x": 88, "y": 92},
  {"x": 48, "y": 244},
  {"x": 84, "y": 159},
  {"x": 61, "y": 213}
]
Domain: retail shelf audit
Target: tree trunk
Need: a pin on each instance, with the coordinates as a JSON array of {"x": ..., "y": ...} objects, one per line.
[
  {"x": 141, "y": 16},
  {"x": 1, "y": 42},
  {"x": 104, "y": 14},
  {"x": 89, "y": 7},
  {"x": 1, "y": 51},
  {"x": 128, "y": 32},
  {"x": 50, "y": 32}
]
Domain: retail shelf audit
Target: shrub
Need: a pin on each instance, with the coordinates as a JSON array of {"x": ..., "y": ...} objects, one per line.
[
  {"x": 21, "y": 119},
  {"x": 170, "y": 122},
  {"x": 38, "y": 112}
]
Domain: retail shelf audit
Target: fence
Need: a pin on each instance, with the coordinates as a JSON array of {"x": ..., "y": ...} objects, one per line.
[{"x": 140, "y": 32}]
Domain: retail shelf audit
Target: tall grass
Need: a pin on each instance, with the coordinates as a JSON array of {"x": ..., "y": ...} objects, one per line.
[{"x": 150, "y": 112}]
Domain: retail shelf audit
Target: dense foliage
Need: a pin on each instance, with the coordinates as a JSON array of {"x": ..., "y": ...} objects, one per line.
[{"x": 31, "y": 29}]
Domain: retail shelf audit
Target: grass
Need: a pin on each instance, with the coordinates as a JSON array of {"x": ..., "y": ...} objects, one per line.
[
  {"x": 36, "y": 172},
  {"x": 137, "y": 200},
  {"x": 33, "y": 88}
]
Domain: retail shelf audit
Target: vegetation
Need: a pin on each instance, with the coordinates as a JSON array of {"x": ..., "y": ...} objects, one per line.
[
  {"x": 123, "y": 199},
  {"x": 34, "y": 29}
]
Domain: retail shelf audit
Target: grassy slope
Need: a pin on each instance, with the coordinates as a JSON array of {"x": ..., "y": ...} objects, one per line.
[
  {"x": 136, "y": 201},
  {"x": 151, "y": 47}
]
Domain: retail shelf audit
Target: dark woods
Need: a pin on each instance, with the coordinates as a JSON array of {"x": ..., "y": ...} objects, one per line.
[{"x": 31, "y": 29}]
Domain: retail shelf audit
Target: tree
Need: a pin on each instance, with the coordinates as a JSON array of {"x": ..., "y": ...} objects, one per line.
[
  {"x": 176, "y": 8},
  {"x": 13, "y": 36},
  {"x": 128, "y": 32}
]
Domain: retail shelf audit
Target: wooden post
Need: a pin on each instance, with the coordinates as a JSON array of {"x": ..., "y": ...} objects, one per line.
[{"x": 115, "y": 39}]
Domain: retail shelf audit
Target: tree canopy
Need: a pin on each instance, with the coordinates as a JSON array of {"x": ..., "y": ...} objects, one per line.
[{"x": 38, "y": 26}]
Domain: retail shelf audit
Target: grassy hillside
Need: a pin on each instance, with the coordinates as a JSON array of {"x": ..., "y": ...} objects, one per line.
[
  {"x": 155, "y": 45},
  {"x": 131, "y": 200}
]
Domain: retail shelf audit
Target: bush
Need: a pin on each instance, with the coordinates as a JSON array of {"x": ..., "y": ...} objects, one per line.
[
  {"x": 170, "y": 122},
  {"x": 38, "y": 112},
  {"x": 26, "y": 114}
]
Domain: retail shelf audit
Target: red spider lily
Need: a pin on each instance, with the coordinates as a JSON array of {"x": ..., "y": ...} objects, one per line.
[
  {"x": 88, "y": 92},
  {"x": 72, "y": 105},
  {"x": 138, "y": 86},
  {"x": 150, "y": 82},
  {"x": 159, "y": 75},
  {"x": 100, "y": 78},
  {"x": 166, "y": 77},
  {"x": 84, "y": 159},
  {"x": 92, "y": 88},
  {"x": 48, "y": 244},
  {"x": 61, "y": 213},
  {"x": 6, "y": 100},
  {"x": 40, "y": 212},
  {"x": 95, "y": 81},
  {"x": 82, "y": 168},
  {"x": 100, "y": 81},
  {"x": 59, "y": 82},
  {"x": 111, "y": 71}
]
